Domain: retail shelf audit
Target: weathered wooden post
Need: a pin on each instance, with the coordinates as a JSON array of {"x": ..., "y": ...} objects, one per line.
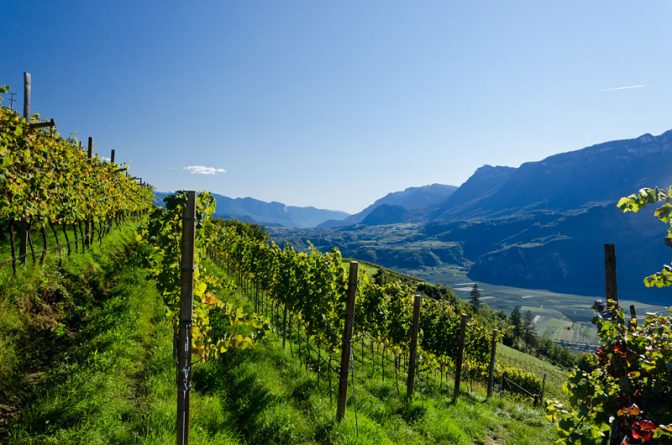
[
  {"x": 27, "y": 85},
  {"x": 183, "y": 377},
  {"x": 346, "y": 342},
  {"x": 413, "y": 358},
  {"x": 88, "y": 224},
  {"x": 543, "y": 388},
  {"x": 633, "y": 316},
  {"x": 610, "y": 272},
  {"x": 23, "y": 225},
  {"x": 112, "y": 156},
  {"x": 460, "y": 356},
  {"x": 491, "y": 370}
]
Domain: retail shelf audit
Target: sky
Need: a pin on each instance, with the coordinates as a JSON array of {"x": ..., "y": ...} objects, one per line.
[{"x": 335, "y": 104}]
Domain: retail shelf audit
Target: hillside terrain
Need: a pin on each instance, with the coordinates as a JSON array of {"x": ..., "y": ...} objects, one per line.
[
  {"x": 541, "y": 225},
  {"x": 415, "y": 200},
  {"x": 105, "y": 373}
]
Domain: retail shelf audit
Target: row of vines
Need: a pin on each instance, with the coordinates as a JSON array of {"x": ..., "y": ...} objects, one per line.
[
  {"x": 217, "y": 325},
  {"x": 308, "y": 290},
  {"x": 47, "y": 180}
]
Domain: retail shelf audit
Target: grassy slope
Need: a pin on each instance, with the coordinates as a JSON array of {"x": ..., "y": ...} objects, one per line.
[
  {"x": 273, "y": 399},
  {"x": 111, "y": 378},
  {"x": 555, "y": 377}
]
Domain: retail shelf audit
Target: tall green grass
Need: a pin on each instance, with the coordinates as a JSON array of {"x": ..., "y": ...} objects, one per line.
[{"x": 111, "y": 377}]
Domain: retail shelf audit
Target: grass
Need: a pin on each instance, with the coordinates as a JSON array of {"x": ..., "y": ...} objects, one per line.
[
  {"x": 112, "y": 379},
  {"x": 273, "y": 399},
  {"x": 555, "y": 377}
]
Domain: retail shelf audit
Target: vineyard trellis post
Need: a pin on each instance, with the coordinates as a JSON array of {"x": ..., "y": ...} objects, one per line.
[
  {"x": 23, "y": 225},
  {"x": 346, "y": 346},
  {"x": 413, "y": 354},
  {"x": 491, "y": 369},
  {"x": 460, "y": 356},
  {"x": 610, "y": 272},
  {"x": 89, "y": 148},
  {"x": 183, "y": 378},
  {"x": 112, "y": 156}
]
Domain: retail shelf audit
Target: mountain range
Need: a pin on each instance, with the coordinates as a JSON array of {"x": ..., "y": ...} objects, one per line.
[
  {"x": 268, "y": 213},
  {"x": 541, "y": 225},
  {"x": 412, "y": 200}
]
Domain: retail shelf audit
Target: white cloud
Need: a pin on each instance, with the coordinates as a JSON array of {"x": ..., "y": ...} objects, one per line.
[
  {"x": 627, "y": 87},
  {"x": 203, "y": 170}
]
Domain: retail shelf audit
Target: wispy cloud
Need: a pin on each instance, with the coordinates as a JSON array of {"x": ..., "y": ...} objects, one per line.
[
  {"x": 203, "y": 170},
  {"x": 626, "y": 87}
]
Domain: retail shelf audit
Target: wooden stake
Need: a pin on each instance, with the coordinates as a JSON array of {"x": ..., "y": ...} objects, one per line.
[
  {"x": 460, "y": 357},
  {"x": 346, "y": 344},
  {"x": 112, "y": 156},
  {"x": 183, "y": 377},
  {"x": 610, "y": 272},
  {"x": 633, "y": 316},
  {"x": 23, "y": 225},
  {"x": 491, "y": 370},
  {"x": 23, "y": 241},
  {"x": 413, "y": 359},
  {"x": 27, "y": 85}
]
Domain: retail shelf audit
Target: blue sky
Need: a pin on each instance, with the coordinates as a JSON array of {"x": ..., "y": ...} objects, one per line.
[{"x": 336, "y": 104}]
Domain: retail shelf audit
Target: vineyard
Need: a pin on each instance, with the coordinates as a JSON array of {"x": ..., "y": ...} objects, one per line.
[
  {"x": 49, "y": 184},
  {"x": 305, "y": 292},
  {"x": 359, "y": 354}
]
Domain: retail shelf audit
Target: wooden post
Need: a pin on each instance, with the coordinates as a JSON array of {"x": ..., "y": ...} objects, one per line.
[
  {"x": 23, "y": 225},
  {"x": 491, "y": 370},
  {"x": 346, "y": 344},
  {"x": 633, "y": 316},
  {"x": 112, "y": 156},
  {"x": 460, "y": 356},
  {"x": 89, "y": 148},
  {"x": 88, "y": 224},
  {"x": 543, "y": 388},
  {"x": 183, "y": 377},
  {"x": 413, "y": 359},
  {"x": 26, "y": 95},
  {"x": 610, "y": 272}
]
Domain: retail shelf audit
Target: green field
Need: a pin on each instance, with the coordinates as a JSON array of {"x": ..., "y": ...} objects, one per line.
[{"x": 558, "y": 316}]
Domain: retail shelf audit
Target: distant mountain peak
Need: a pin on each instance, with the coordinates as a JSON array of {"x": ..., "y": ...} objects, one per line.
[
  {"x": 645, "y": 138},
  {"x": 411, "y": 199}
]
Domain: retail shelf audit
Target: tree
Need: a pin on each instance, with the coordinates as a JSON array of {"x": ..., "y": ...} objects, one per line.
[
  {"x": 475, "y": 297},
  {"x": 529, "y": 334},
  {"x": 516, "y": 322}
]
